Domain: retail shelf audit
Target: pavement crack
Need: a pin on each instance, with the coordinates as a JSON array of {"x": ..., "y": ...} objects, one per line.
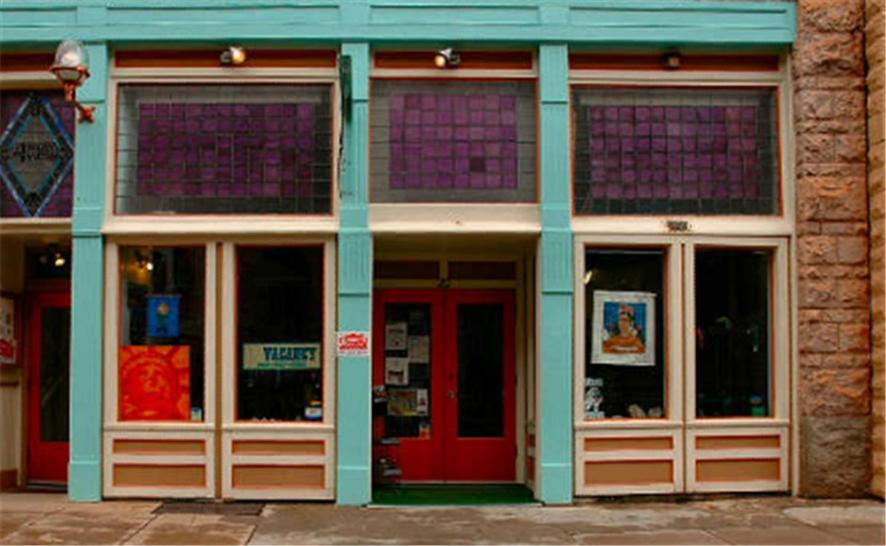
[{"x": 139, "y": 530}]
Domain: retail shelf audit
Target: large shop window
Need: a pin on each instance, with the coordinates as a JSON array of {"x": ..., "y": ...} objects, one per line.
[
  {"x": 675, "y": 151},
  {"x": 161, "y": 364},
  {"x": 453, "y": 141},
  {"x": 624, "y": 329},
  {"x": 732, "y": 346},
  {"x": 280, "y": 333},
  {"x": 216, "y": 149},
  {"x": 36, "y": 154}
]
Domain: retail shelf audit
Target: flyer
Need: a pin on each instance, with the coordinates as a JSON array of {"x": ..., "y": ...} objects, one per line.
[
  {"x": 395, "y": 336},
  {"x": 396, "y": 371},
  {"x": 419, "y": 349}
]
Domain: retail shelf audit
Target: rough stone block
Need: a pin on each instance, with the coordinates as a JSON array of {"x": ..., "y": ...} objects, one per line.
[
  {"x": 829, "y": 16},
  {"x": 819, "y": 338},
  {"x": 834, "y": 456},
  {"x": 852, "y": 250},
  {"x": 834, "y": 392},
  {"x": 854, "y": 337},
  {"x": 817, "y": 250}
]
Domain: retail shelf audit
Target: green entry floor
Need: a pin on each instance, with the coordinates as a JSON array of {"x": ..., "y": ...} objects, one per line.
[{"x": 451, "y": 494}]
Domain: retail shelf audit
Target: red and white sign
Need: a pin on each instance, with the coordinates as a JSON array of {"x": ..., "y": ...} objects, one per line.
[{"x": 353, "y": 344}]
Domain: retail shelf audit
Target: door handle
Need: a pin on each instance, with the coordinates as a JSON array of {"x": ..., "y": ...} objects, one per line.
[{"x": 451, "y": 394}]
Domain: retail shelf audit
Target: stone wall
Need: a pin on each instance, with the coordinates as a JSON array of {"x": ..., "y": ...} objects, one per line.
[
  {"x": 832, "y": 223},
  {"x": 874, "y": 46}
]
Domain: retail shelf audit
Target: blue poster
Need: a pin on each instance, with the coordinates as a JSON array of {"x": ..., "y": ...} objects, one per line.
[{"x": 163, "y": 316}]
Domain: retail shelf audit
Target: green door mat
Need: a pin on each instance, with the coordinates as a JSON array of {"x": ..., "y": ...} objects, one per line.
[{"x": 406, "y": 495}]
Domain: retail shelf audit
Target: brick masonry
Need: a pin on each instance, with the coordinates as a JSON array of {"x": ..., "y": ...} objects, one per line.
[
  {"x": 828, "y": 63},
  {"x": 875, "y": 49}
]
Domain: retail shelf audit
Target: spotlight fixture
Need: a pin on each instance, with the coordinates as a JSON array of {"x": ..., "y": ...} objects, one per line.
[
  {"x": 71, "y": 68},
  {"x": 447, "y": 58},
  {"x": 671, "y": 60},
  {"x": 58, "y": 260},
  {"x": 233, "y": 56},
  {"x": 144, "y": 262}
]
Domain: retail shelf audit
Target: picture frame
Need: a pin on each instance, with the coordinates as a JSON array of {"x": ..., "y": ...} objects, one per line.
[{"x": 623, "y": 332}]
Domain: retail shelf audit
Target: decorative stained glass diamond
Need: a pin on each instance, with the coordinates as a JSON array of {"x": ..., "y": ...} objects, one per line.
[{"x": 36, "y": 154}]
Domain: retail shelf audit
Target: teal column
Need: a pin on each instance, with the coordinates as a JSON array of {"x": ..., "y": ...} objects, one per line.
[
  {"x": 554, "y": 430},
  {"x": 354, "y": 427},
  {"x": 87, "y": 286}
]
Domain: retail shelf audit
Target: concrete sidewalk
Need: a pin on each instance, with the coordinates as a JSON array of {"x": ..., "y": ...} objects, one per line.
[{"x": 40, "y": 518}]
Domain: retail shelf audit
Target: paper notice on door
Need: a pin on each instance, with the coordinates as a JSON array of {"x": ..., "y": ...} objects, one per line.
[
  {"x": 421, "y": 402},
  {"x": 395, "y": 336},
  {"x": 419, "y": 348},
  {"x": 396, "y": 371}
]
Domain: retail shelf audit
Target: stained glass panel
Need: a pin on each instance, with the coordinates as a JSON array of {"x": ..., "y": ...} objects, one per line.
[
  {"x": 453, "y": 141},
  {"x": 665, "y": 151},
  {"x": 224, "y": 149},
  {"x": 36, "y": 154}
]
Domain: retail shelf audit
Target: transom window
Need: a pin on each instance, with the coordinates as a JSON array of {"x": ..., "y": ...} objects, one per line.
[
  {"x": 675, "y": 151},
  {"x": 237, "y": 149},
  {"x": 453, "y": 141}
]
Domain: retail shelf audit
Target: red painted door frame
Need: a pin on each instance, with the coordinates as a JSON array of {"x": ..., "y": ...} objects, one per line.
[
  {"x": 47, "y": 461},
  {"x": 443, "y": 456}
]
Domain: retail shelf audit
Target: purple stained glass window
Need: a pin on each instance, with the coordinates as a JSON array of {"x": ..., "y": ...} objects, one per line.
[
  {"x": 453, "y": 141},
  {"x": 224, "y": 149},
  {"x": 36, "y": 154},
  {"x": 683, "y": 151}
]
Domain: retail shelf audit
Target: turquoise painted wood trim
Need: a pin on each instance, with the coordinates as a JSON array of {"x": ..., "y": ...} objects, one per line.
[
  {"x": 647, "y": 22},
  {"x": 87, "y": 288},
  {"x": 354, "y": 426},
  {"x": 554, "y": 430}
]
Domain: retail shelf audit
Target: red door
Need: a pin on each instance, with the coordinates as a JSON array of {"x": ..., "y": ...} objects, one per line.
[
  {"x": 49, "y": 322},
  {"x": 445, "y": 362}
]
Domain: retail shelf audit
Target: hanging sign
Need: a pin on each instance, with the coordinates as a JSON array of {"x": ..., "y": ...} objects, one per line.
[
  {"x": 163, "y": 315},
  {"x": 281, "y": 356},
  {"x": 353, "y": 343}
]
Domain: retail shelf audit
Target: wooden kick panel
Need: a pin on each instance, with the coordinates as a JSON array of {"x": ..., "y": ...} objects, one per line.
[
  {"x": 737, "y": 470},
  {"x": 125, "y": 446},
  {"x": 278, "y": 447},
  {"x": 622, "y": 444},
  {"x": 278, "y": 477},
  {"x": 628, "y": 472},
  {"x": 146, "y": 475},
  {"x": 737, "y": 442}
]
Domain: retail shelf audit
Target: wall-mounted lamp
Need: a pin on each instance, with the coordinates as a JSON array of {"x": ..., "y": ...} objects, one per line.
[
  {"x": 447, "y": 58},
  {"x": 71, "y": 67},
  {"x": 671, "y": 60},
  {"x": 233, "y": 56}
]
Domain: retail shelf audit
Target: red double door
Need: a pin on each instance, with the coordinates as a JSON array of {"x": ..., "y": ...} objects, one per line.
[
  {"x": 48, "y": 362},
  {"x": 444, "y": 383}
]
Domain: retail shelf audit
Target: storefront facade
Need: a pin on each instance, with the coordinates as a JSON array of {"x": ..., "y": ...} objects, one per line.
[{"x": 571, "y": 248}]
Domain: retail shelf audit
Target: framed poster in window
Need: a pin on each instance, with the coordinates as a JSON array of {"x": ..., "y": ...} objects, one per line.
[{"x": 625, "y": 332}]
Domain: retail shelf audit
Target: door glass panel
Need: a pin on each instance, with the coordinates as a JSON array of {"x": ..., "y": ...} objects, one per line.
[
  {"x": 407, "y": 370},
  {"x": 480, "y": 369},
  {"x": 624, "y": 333},
  {"x": 280, "y": 333},
  {"x": 732, "y": 333},
  {"x": 54, "y": 350}
]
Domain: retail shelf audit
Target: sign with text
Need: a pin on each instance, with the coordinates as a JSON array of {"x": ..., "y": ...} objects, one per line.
[
  {"x": 281, "y": 356},
  {"x": 353, "y": 343}
]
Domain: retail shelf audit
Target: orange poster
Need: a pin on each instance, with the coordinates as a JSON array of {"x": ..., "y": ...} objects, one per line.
[{"x": 155, "y": 383}]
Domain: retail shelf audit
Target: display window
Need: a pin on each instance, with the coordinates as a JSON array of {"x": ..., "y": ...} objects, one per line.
[
  {"x": 161, "y": 352},
  {"x": 732, "y": 333},
  {"x": 624, "y": 327},
  {"x": 224, "y": 149},
  {"x": 279, "y": 333}
]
